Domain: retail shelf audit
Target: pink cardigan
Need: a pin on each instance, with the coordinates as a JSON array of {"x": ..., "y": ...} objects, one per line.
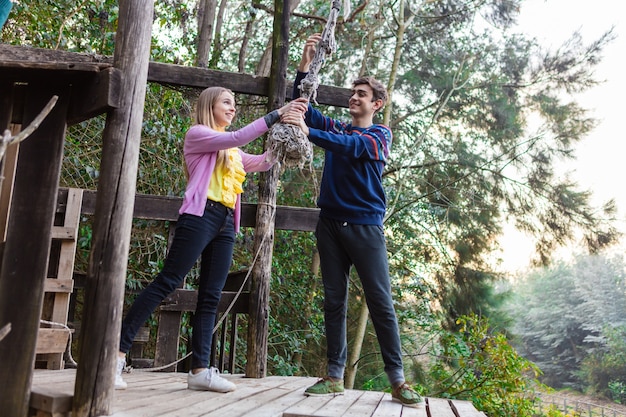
[{"x": 200, "y": 152}]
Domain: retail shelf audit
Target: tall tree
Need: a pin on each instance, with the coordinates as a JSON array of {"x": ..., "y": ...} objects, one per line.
[{"x": 565, "y": 313}]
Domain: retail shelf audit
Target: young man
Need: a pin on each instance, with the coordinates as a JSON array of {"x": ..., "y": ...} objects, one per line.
[{"x": 350, "y": 227}]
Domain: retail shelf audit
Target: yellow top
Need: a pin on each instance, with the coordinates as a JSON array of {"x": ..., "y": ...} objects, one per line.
[{"x": 226, "y": 183}]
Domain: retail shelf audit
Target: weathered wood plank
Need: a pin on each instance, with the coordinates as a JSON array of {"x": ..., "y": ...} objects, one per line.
[
  {"x": 58, "y": 285},
  {"x": 466, "y": 409},
  {"x": 294, "y": 393},
  {"x": 52, "y": 340},
  {"x": 368, "y": 401},
  {"x": 388, "y": 408},
  {"x": 95, "y": 96},
  {"x": 64, "y": 233},
  {"x": 439, "y": 407},
  {"x": 166, "y": 208},
  {"x": 339, "y": 405},
  {"x": 172, "y": 74},
  {"x": 49, "y": 399},
  {"x": 419, "y": 411},
  {"x": 308, "y": 406}
]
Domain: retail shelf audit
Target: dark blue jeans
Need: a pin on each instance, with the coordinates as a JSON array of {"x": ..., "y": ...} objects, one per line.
[
  {"x": 211, "y": 237},
  {"x": 341, "y": 245}
]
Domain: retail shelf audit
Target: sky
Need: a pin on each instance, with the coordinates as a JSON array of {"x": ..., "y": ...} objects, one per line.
[{"x": 601, "y": 157}]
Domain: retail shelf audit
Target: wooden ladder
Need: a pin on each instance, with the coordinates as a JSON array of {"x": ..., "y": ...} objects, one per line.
[{"x": 53, "y": 339}]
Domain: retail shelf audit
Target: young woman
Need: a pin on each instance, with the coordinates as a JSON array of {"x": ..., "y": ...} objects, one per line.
[{"x": 206, "y": 227}]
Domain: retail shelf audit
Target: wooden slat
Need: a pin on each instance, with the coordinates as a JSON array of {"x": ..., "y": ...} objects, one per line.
[
  {"x": 368, "y": 401},
  {"x": 416, "y": 411},
  {"x": 466, "y": 409},
  {"x": 186, "y": 300},
  {"x": 59, "y": 285},
  {"x": 308, "y": 406},
  {"x": 63, "y": 233},
  {"x": 293, "y": 392},
  {"x": 52, "y": 340},
  {"x": 440, "y": 408},
  {"x": 166, "y": 208}
]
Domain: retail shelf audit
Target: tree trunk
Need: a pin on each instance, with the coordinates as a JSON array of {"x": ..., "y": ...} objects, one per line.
[
  {"x": 247, "y": 34},
  {"x": 104, "y": 289},
  {"x": 206, "y": 17},
  {"x": 308, "y": 303},
  {"x": 217, "y": 50},
  {"x": 397, "y": 55},
  {"x": 264, "y": 233},
  {"x": 263, "y": 68},
  {"x": 355, "y": 354}
]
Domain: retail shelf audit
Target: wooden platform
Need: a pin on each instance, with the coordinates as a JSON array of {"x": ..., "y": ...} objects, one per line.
[{"x": 152, "y": 394}]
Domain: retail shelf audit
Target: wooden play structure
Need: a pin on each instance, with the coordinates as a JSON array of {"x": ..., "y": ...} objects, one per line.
[{"x": 39, "y": 221}]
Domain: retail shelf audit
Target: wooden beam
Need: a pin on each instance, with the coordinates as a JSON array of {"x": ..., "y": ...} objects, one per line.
[
  {"x": 176, "y": 75},
  {"x": 95, "y": 96},
  {"x": 156, "y": 207}
]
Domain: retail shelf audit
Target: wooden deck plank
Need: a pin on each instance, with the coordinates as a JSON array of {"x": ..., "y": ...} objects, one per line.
[
  {"x": 165, "y": 394},
  {"x": 205, "y": 403},
  {"x": 466, "y": 409},
  {"x": 293, "y": 396},
  {"x": 338, "y": 405},
  {"x": 252, "y": 404},
  {"x": 308, "y": 406},
  {"x": 368, "y": 402},
  {"x": 419, "y": 411},
  {"x": 440, "y": 408},
  {"x": 388, "y": 408}
]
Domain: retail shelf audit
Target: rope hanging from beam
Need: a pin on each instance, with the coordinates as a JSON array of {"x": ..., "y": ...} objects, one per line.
[{"x": 287, "y": 143}]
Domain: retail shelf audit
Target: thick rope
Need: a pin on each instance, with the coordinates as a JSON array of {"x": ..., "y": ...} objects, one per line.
[{"x": 287, "y": 144}]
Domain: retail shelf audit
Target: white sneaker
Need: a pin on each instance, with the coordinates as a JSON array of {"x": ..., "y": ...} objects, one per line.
[
  {"x": 119, "y": 382},
  {"x": 209, "y": 380}
]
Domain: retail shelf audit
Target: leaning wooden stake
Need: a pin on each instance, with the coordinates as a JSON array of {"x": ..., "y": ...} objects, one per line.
[
  {"x": 8, "y": 139},
  {"x": 104, "y": 289}
]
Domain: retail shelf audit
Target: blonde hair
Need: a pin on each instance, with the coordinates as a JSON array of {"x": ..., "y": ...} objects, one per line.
[{"x": 204, "y": 116}]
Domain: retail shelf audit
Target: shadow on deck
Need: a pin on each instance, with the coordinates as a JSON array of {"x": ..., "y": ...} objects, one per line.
[{"x": 152, "y": 394}]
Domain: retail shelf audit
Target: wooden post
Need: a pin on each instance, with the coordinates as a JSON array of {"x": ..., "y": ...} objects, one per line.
[
  {"x": 25, "y": 257},
  {"x": 106, "y": 277},
  {"x": 264, "y": 232}
]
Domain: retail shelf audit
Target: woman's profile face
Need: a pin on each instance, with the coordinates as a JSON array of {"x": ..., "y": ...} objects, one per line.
[{"x": 224, "y": 110}]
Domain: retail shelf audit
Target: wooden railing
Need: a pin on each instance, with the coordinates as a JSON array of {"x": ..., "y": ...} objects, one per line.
[
  {"x": 579, "y": 408},
  {"x": 150, "y": 207}
]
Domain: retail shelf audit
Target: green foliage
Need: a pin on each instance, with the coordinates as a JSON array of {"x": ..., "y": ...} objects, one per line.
[
  {"x": 617, "y": 391},
  {"x": 604, "y": 369},
  {"x": 479, "y": 365},
  {"x": 568, "y": 320}
]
